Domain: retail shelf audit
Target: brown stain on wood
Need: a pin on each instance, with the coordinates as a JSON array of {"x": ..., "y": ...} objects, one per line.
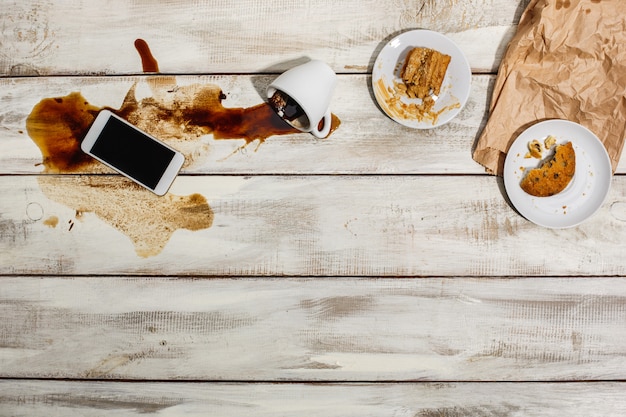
[
  {"x": 51, "y": 221},
  {"x": 177, "y": 115},
  {"x": 149, "y": 221},
  {"x": 148, "y": 61},
  {"x": 57, "y": 126}
]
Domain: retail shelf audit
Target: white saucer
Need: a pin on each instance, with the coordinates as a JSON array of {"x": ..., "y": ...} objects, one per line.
[
  {"x": 584, "y": 194},
  {"x": 388, "y": 67}
]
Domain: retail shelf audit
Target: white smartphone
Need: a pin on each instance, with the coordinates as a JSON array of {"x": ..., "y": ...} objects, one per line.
[{"x": 133, "y": 153}]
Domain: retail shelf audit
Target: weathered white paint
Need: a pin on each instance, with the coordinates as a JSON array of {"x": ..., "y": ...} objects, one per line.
[
  {"x": 490, "y": 297},
  {"x": 85, "y": 399},
  {"x": 311, "y": 225},
  {"x": 307, "y": 329},
  {"x": 244, "y": 36},
  {"x": 366, "y": 141}
]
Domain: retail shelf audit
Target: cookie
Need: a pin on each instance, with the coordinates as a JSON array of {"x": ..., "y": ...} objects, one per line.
[{"x": 553, "y": 175}]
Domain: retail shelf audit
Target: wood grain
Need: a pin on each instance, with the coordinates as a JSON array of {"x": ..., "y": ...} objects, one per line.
[
  {"x": 365, "y": 142},
  {"x": 299, "y": 225},
  {"x": 378, "y": 272},
  {"x": 74, "y": 37},
  {"x": 305, "y": 329},
  {"x": 84, "y": 399}
]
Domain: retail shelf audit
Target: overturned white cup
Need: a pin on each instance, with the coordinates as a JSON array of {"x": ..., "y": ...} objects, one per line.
[{"x": 301, "y": 96}]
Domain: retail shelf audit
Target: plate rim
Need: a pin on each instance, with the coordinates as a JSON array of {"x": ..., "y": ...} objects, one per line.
[
  {"x": 376, "y": 75},
  {"x": 509, "y": 181}
]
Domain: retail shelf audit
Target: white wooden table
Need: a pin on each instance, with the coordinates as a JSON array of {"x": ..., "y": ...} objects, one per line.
[{"x": 378, "y": 272}]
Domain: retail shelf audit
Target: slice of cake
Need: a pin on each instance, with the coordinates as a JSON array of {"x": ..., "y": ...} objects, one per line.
[
  {"x": 424, "y": 71},
  {"x": 553, "y": 175}
]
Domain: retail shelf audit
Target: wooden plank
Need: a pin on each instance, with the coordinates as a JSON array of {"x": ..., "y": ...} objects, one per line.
[
  {"x": 73, "y": 37},
  {"x": 284, "y": 225},
  {"x": 365, "y": 142},
  {"x": 304, "y": 329},
  {"x": 84, "y": 399}
]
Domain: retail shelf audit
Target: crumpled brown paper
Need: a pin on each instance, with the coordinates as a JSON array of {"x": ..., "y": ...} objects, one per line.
[{"x": 567, "y": 60}]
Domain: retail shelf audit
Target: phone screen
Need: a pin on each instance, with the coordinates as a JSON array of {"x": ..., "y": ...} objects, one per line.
[{"x": 132, "y": 152}]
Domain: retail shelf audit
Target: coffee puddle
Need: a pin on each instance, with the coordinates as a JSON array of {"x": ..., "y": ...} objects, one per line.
[
  {"x": 178, "y": 115},
  {"x": 147, "y": 219}
]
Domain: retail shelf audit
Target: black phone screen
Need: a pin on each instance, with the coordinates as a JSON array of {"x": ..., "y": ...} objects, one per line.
[{"x": 132, "y": 152}]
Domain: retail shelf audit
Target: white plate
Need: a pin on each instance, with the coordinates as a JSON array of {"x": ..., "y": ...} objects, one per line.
[
  {"x": 388, "y": 67},
  {"x": 584, "y": 194}
]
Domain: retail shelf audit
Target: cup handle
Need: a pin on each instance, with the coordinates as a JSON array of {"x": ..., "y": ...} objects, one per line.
[{"x": 326, "y": 129}]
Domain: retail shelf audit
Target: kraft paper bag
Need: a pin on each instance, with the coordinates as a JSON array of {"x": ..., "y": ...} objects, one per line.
[{"x": 567, "y": 60}]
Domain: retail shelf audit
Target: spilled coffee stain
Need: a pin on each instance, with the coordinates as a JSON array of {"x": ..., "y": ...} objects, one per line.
[
  {"x": 147, "y": 219},
  {"x": 57, "y": 126},
  {"x": 51, "y": 221},
  {"x": 177, "y": 115},
  {"x": 148, "y": 61}
]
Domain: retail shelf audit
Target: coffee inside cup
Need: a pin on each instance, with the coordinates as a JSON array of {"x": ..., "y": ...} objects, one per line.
[{"x": 289, "y": 110}]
